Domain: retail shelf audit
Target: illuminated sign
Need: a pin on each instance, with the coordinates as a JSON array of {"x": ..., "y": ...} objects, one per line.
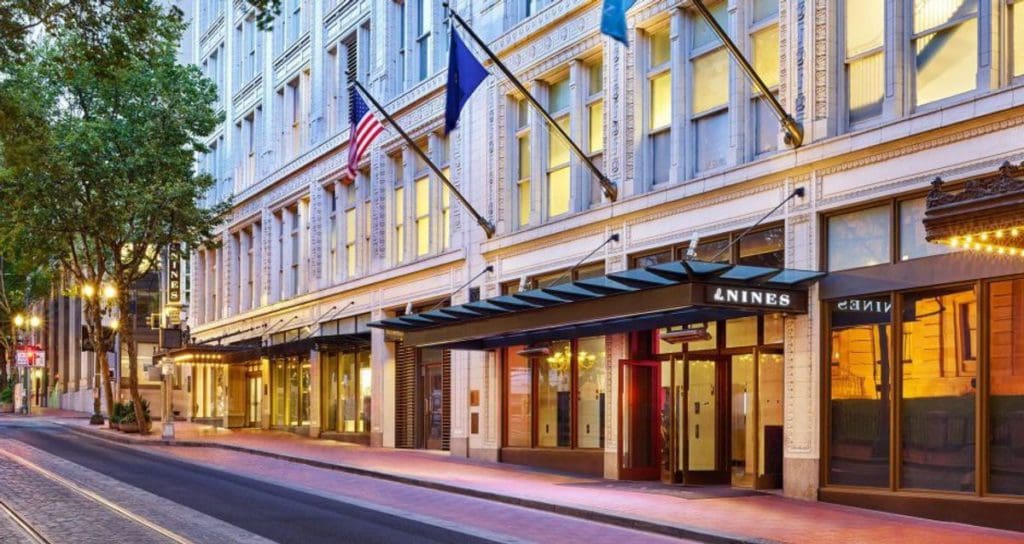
[
  {"x": 32, "y": 356},
  {"x": 747, "y": 296},
  {"x": 173, "y": 275}
]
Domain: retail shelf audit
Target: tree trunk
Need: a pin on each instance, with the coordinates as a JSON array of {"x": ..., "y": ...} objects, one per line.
[
  {"x": 128, "y": 339},
  {"x": 94, "y": 318}
]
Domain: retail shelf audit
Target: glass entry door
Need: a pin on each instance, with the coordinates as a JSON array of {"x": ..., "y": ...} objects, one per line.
[
  {"x": 433, "y": 405},
  {"x": 254, "y": 391},
  {"x": 641, "y": 403},
  {"x": 706, "y": 402}
]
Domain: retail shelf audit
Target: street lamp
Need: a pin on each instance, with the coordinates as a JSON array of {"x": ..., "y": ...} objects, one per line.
[
  {"x": 19, "y": 321},
  {"x": 109, "y": 292}
]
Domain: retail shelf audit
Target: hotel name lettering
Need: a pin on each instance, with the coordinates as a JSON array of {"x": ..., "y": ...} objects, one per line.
[
  {"x": 754, "y": 297},
  {"x": 173, "y": 275}
]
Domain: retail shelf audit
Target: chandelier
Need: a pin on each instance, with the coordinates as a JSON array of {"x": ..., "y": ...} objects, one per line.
[{"x": 559, "y": 360}]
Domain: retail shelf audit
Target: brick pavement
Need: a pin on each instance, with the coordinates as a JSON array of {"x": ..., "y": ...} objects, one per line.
[{"x": 750, "y": 516}]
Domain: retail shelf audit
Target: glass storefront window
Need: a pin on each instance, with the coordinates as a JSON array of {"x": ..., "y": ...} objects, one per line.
[
  {"x": 912, "y": 236},
  {"x": 710, "y": 343},
  {"x": 741, "y": 332},
  {"x": 553, "y": 398},
  {"x": 769, "y": 414},
  {"x": 859, "y": 364},
  {"x": 764, "y": 248},
  {"x": 859, "y": 238},
  {"x": 939, "y": 370},
  {"x": 590, "y": 368},
  {"x": 349, "y": 400},
  {"x": 742, "y": 458},
  {"x": 279, "y": 382},
  {"x": 774, "y": 329},
  {"x": 1006, "y": 401},
  {"x": 365, "y": 390},
  {"x": 518, "y": 403},
  {"x": 330, "y": 417}
]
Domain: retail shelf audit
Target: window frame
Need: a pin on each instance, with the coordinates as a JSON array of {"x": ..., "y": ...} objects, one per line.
[
  {"x": 653, "y": 72},
  {"x": 551, "y": 137},
  {"x": 694, "y": 118}
]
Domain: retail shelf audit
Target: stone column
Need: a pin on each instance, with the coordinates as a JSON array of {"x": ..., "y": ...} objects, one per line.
[{"x": 382, "y": 407}]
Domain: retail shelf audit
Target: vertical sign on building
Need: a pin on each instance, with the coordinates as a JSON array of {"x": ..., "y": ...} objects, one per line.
[{"x": 173, "y": 275}]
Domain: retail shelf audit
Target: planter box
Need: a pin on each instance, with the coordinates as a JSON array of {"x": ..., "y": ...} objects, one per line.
[{"x": 133, "y": 427}]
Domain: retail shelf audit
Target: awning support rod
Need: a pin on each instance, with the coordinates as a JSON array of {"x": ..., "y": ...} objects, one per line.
[
  {"x": 794, "y": 132},
  {"x": 612, "y": 238},
  {"x": 228, "y": 335},
  {"x": 798, "y": 192},
  {"x": 488, "y": 268}
]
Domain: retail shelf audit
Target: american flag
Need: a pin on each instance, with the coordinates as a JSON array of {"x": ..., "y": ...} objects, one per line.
[{"x": 365, "y": 129}]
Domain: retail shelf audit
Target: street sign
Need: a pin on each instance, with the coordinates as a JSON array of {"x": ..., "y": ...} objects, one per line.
[{"x": 30, "y": 356}]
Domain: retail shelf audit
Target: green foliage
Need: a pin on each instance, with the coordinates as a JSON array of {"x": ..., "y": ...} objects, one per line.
[
  {"x": 128, "y": 412},
  {"x": 7, "y": 395}
]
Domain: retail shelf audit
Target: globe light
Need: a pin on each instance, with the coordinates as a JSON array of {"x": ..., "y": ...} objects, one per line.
[
  {"x": 88, "y": 291},
  {"x": 19, "y": 321},
  {"x": 115, "y": 323},
  {"x": 109, "y": 292},
  {"x": 34, "y": 321}
]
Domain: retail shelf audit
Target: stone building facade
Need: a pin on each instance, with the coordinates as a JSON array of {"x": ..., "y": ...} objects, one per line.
[{"x": 697, "y": 156}]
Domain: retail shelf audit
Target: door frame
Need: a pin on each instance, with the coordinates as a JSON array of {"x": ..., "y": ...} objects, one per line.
[
  {"x": 644, "y": 473},
  {"x": 425, "y": 388}
]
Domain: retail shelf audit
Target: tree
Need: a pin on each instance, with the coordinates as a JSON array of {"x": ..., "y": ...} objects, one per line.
[
  {"x": 98, "y": 154},
  {"x": 22, "y": 281}
]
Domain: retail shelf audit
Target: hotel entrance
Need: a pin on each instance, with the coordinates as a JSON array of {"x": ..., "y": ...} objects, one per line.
[{"x": 721, "y": 404}]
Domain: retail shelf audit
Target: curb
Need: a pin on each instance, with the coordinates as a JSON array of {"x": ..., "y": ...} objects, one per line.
[{"x": 690, "y": 533}]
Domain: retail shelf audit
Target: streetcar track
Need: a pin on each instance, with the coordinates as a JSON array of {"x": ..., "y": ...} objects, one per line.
[
  {"x": 24, "y": 525},
  {"x": 88, "y": 494}
]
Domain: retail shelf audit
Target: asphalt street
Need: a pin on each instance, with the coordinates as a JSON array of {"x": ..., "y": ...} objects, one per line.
[{"x": 274, "y": 512}]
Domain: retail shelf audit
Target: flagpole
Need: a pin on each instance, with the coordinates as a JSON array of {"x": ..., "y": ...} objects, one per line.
[
  {"x": 484, "y": 224},
  {"x": 610, "y": 189},
  {"x": 794, "y": 132}
]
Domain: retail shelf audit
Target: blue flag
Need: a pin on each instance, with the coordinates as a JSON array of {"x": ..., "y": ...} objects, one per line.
[
  {"x": 613, "y": 19},
  {"x": 465, "y": 74}
]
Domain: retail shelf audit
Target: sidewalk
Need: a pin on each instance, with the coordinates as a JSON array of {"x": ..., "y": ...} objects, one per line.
[{"x": 710, "y": 514}]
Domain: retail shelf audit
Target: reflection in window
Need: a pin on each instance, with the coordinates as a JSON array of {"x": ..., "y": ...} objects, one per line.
[
  {"x": 859, "y": 364},
  {"x": 553, "y": 399},
  {"x": 1006, "y": 401},
  {"x": 945, "y": 48},
  {"x": 912, "y": 235},
  {"x": 865, "y": 58},
  {"x": 590, "y": 369},
  {"x": 764, "y": 248},
  {"x": 939, "y": 384},
  {"x": 859, "y": 238},
  {"x": 518, "y": 423}
]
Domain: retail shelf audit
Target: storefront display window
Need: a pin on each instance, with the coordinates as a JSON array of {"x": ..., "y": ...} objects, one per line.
[
  {"x": 346, "y": 390},
  {"x": 912, "y": 234},
  {"x": 741, "y": 332},
  {"x": 290, "y": 382},
  {"x": 859, "y": 365},
  {"x": 774, "y": 329},
  {"x": 860, "y": 238},
  {"x": 939, "y": 370},
  {"x": 569, "y": 387},
  {"x": 1006, "y": 389},
  {"x": 590, "y": 368},
  {"x": 518, "y": 402}
]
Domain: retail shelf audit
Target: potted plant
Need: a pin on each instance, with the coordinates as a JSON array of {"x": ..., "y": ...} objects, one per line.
[
  {"x": 116, "y": 417},
  {"x": 129, "y": 424},
  {"x": 6, "y": 400}
]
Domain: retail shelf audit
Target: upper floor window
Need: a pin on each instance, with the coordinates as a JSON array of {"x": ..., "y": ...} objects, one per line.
[
  {"x": 398, "y": 210},
  {"x": 765, "y": 246},
  {"x": 709, "y": 91},
  {"x": 421, "y": 205},
  {"x": 764, "y": 46},
  {"x": 522, "y": 161},
  {"x": 953, "y": 47},
  {"x": 246, "y": 135},
  {"x": 522, "y": 9},
  {"x": 418, "y": 47},
  {"x": 558, "y": 179},
  {"x": 290, "y": 25},
  {"x": 659, "y": 115},
  {"x": 594, "y": 135},
  {"x": 351, "y": 206},
  {"x": 443, "y": 161},
  {"x": 248, "y": 62},
  {"x": 209, "y": 11}
]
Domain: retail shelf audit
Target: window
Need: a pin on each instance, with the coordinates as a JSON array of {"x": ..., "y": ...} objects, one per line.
[
  {"x": 350, "y": 231},
  {"x": 297, "y": 94},
  {"x": 595, "y": 126},
  {"x": 569, "y": 392},
  {"x": 423, "y": 23},
  {"x": 865, "y": 58},
  {"x": 944, "y": 41},
  {"x": 400, "y": 27},
  {"x": 1016, "y": 18},
  {"x": 522, "y": 162},
  {"x": 859, "y": 390},
  {"x": 248, "y": 60},
  {"x": 245, "y": 157},
  {"x": 1006, "y": 389},
  {"x": 446, "y": 198},
  {"x": 558, "y": 189},
  {"x": 859, "y": 238},
  {"x": 280, "y": 293},
  {"x": 294, "y": 23},
  {"x": 295, "y": 254},
  {"x": 939, "y": 388},
  {"x": 709, "y": 92},
  {"x": 422, "y": 195},
  {"x": 399, "y": 225},
  {"x": 764, "y": 43},
  {"x": 912, "y": 234},
  {"x": 333, "y": 268},
  {"x": 763, "y": 248},
  {"x": 659, "y": 83}
]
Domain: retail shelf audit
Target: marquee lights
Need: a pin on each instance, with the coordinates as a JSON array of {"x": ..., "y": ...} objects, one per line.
[{"x": 1006, "y": 242}]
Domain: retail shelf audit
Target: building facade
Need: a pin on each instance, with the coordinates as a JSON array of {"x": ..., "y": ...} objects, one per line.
[{"x": 890, "y": 94}]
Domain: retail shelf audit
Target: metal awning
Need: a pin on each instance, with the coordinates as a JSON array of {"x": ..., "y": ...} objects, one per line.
[
  {"x": 200, "y": 354},
  {"x": 674, "y": 293},
  {"x": 302, "y": 346}
]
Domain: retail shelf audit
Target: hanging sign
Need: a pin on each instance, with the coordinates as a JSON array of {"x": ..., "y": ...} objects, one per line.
[
  {"x": 756, "y": 298},
  {"x": 173, "y": 275},
  {"x": 30, "y": 356}
]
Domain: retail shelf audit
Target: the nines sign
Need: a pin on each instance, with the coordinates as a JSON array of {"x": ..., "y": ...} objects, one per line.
[{"x": 757, "y": 298}]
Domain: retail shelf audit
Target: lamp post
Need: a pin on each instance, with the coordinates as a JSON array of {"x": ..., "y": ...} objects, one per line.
[
  {"x": 167, "y": 370},
  {"x": 30, "y": 323}
]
